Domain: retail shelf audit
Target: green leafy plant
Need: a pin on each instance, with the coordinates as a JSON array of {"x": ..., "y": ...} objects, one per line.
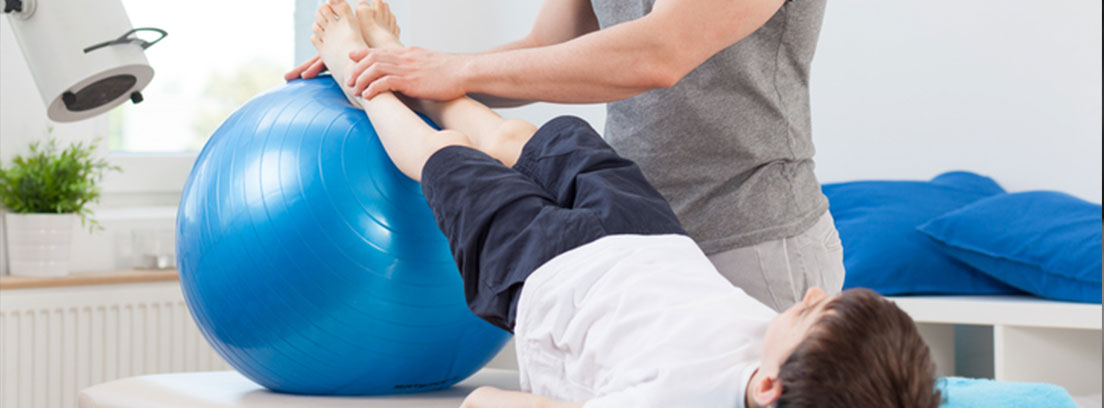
[{"x": 49, "y": 180}]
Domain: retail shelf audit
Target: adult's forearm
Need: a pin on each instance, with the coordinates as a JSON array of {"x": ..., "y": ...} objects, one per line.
[
  {"x": 610, "y": 65},
  {"x": 558, "y": 21},
  {"x": 497, "y": 101},
  {"x": 500, "y": 102}
]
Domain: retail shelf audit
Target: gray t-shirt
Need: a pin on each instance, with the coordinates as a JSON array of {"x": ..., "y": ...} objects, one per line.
[{"x": 730, "y": 145}]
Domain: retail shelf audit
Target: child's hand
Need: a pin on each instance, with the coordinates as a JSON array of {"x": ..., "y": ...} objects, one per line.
[
  {"x": 491, "y": 397},
  {"x": 488, "y": 397}
]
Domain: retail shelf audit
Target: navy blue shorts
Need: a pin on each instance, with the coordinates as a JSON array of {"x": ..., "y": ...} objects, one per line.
[{"x": 567, "y": 189}]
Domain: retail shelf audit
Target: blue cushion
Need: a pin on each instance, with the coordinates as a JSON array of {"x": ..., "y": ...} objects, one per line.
[
  {"x": 1046, "y": 243},
  {"x": 883, "y": 251},
  {"x": 959, "y": 392}
]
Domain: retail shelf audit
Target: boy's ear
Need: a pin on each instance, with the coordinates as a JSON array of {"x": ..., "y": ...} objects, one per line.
[{"x": 765, "y": 390}]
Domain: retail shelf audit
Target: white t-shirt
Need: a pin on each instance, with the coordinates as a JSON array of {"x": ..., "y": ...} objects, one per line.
[{"x": 638, "y": 321}]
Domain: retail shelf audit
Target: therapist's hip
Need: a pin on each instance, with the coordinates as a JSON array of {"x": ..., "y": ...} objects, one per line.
[{"x": 779, "y": 272}]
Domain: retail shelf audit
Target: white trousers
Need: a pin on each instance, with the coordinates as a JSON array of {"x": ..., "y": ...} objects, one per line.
[{"x": 779, "y": 272}]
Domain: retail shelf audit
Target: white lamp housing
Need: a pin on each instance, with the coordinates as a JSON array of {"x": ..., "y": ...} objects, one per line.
[{"x": 83, "y": 54}]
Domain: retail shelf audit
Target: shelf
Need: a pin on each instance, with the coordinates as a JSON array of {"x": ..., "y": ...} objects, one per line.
[
  {"x": 1001, "y": 311},
  {"x": 1029, "y": 339},
  {"x": 88, "y": 278}
]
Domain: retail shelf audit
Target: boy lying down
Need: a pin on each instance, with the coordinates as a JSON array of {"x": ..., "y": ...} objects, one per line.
[{"x": 564, "y": 243}]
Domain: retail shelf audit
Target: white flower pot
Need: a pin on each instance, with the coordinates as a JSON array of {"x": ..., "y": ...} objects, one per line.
[{"x": 38, "y": 244}]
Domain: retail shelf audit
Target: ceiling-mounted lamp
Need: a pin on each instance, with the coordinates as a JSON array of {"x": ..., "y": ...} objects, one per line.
[{"x": 85, "y": 56}]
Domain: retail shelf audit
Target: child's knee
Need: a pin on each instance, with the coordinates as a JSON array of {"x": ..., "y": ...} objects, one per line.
[
  {"x": 510, "y": 134},
  {"x": 515, "y": 130},
  {"x": 508, "y": 140},
  {"x": 449, "y": 137}
]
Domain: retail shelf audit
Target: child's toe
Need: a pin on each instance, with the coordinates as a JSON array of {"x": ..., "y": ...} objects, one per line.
[{"x": 327, "y": 12}]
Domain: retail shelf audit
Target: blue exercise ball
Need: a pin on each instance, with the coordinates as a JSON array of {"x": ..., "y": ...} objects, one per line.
[{"x": 312, "y": 265}]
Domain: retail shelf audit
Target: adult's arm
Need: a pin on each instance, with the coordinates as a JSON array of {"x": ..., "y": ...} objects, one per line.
[
  {"x": 627, "y": 59},
  {"x": 558, "y": 21}
]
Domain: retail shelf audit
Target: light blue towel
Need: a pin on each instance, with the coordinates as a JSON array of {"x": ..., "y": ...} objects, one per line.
[{"x": 961, "y": 392}]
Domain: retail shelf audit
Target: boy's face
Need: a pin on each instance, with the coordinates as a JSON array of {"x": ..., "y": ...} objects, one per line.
[{"x": 789, "y": 329}]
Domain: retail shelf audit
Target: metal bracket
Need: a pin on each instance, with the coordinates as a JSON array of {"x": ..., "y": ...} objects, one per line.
[{"x": 127, "y": 38}]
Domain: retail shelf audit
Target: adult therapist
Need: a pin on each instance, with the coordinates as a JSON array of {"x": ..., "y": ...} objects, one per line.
[{"x": 709, "y": 97}]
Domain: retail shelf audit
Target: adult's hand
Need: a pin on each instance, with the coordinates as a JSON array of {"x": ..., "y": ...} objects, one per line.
[
  {"x": 413, "y": 71},
  {"x": 306, "y": 70}
]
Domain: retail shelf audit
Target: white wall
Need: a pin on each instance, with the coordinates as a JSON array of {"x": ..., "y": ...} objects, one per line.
[{"x": 1011, "y": 89}]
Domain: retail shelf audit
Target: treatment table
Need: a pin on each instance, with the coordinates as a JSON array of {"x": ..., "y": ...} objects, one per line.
[{"x": 228, "y": 389}]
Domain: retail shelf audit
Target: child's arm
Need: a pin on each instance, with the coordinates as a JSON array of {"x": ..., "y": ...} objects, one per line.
[{"x": 491, "y": 397}]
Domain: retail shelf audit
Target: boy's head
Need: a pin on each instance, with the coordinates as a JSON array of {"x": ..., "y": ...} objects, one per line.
[{"x": 856, "y": 349}]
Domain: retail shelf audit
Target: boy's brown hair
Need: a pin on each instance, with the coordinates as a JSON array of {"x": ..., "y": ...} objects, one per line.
[{"x": 865, "y": 352}]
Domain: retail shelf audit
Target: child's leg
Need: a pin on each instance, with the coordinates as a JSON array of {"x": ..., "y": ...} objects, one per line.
[
  {"x": 501, "y": 225},
  {"x": 500, "y": 138},
  {"x": 408, "y": 140}
]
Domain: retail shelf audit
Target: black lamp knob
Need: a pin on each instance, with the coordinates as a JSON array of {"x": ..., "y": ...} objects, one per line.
[
  {"x": 136, "y": 97},
  {"x": 13, "y": 5}
]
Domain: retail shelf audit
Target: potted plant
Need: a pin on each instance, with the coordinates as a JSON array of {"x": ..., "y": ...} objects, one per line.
[{"x": 44, "y": 193}]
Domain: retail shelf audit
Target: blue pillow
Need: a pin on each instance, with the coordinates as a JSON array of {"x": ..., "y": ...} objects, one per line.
[
  {"x": 1046, "y": 243},
  {"x": 883, "y": 251},
  {"x": 959, "y": 392}
]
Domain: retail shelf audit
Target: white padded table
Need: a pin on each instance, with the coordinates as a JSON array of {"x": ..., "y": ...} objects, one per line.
[{"x": 228, "y": 389}]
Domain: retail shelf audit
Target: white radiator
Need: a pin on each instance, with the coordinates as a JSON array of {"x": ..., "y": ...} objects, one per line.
[{"x": 56, "y": 341}]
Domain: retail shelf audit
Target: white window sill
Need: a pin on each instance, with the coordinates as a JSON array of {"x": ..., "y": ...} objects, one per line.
[{"x": 125, "y": 231}]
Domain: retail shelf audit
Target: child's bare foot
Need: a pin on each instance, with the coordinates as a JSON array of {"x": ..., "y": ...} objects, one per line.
[
  {"x": 336, "y": 33},
  {"x": 377, "y": 23}
]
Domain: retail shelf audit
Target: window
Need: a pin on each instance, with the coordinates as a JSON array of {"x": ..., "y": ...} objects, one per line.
[{"x": 218, "y": 54}]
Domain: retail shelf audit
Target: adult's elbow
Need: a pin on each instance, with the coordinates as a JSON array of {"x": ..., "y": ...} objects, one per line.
[
  {"x": 662, "y": 76},
  {"x": 669, "y": 78}
]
